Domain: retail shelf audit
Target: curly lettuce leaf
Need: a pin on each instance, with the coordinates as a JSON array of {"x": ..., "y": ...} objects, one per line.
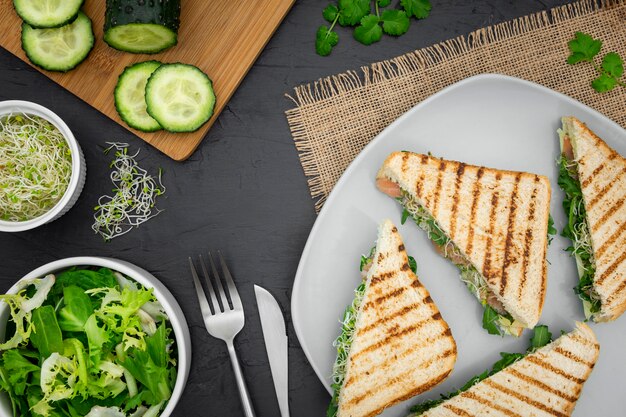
[{"x": 150, "y": 366}]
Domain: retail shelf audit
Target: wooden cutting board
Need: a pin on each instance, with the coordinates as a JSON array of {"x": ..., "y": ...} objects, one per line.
[{"x": 221, "y": 37}]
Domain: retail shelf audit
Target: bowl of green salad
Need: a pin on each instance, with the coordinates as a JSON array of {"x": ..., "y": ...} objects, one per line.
[
  {"x": 42, "y": 168},
  {"x": 95, "y": 337}
]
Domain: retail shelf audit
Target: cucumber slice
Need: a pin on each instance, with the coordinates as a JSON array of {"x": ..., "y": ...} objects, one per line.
[
  {"x": 47, "y": 13},
  {"x": 180, "y": 97},
  {"x": 141, "y": 26},
  {"x": 140, "y": 38},
  {"x": 59, "y": 49},
  {"x": 130, "y": 99}
]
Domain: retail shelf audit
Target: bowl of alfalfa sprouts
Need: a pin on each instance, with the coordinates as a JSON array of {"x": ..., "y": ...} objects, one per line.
[{"x": 42, "y": 168}]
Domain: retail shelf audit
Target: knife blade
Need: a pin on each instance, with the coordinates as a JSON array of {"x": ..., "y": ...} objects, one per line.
[{"x": 275, "y": 336}]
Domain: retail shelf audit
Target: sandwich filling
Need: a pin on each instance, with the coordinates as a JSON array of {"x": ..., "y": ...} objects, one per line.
[
  {"x": 348, "y": 327},
  {"x": 577, "y": 228},
  {"x": 496, "y": 320},
  {"x": 541, "y": 337}
]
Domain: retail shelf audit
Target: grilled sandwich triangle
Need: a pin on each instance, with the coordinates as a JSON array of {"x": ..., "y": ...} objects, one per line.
[
  {"x": 546, "y": 383},
  {"x": 493, "y": 220},
  {"x": 602, "y": 176},
  {"x": 401, "y": 345}
]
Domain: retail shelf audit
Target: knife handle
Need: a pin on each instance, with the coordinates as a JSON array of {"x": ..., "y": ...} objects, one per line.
[{"x": 246, "y": 403}]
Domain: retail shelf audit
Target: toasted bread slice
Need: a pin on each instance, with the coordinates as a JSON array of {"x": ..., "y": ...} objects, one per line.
[
  {"x": 602, "y": 175},
  {"x": 545, "y": 383},
  {"x": 401, "y": 345},
  {"x": 497, "y": 219}
]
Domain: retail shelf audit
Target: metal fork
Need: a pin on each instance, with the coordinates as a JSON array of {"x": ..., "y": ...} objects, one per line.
[{"x": 221, "y": 320}]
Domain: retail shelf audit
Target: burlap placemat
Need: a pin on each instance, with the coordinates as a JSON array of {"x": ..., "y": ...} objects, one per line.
[{"x": 532, "y": 47}]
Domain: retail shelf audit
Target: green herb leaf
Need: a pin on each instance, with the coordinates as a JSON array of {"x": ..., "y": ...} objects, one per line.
[
  {"x": 364, "y": 261},
  {"x": 405, "y": 215},
  {"x": 507, "y": 359},
  {"x": 395, "y": 22},
  {"x": 19, "y": 370},
  {"x": 541, "y": 337},
  {"x": 46, "y": 336},
  {"x": 330, "y": 13},
  {"x": 418, "y": 8},
  {"x": 325, "y": 40},
  {"x": 352, "y": 11},
  {"x": 604, "y": 83},
  {"x": 490, "y": 320},
  {"x": 613, "y": 64},
  {"x": 383, "y": 3},
  {"x": 369, "y": 31},
  {"x": 77, "y": 309},
  {"x": 551, "y": 229},
  {"x": 583, "y": 48},
  {"x": 413, "y": 264},
  {"x": 150, "y": 366}
]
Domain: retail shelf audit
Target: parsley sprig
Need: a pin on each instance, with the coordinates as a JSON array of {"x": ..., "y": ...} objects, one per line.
[
  {"x": 584, "y": 48},
  {"x": 369, "y": 25}
]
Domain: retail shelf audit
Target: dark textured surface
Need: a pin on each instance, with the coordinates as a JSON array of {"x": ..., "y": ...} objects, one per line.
[{"x": 243, "y": 191}]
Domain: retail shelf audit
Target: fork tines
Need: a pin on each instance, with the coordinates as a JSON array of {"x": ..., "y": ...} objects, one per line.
[{"x": 228, "y": 300}]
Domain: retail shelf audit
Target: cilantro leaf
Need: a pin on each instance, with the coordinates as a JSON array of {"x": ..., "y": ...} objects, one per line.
[
  {"x": 541, "y": 337},
  {"x": 490, "y": 320},
  {"x": 604, "y": 83},
  {"x": 330, "y": 13},
  {"x": 383, "y": 3},
  {"x": 613, "y": 65},
  {"x": 413, "y": 264},
  {"x": 325, "y": 40},
  {"x": 418, "y": 8},
  {"x": 352, "y": 11},
  {"x": 369, "y": 31},
  {"x": 395, "y": 22},
  {"x": 583, "y": 48}
]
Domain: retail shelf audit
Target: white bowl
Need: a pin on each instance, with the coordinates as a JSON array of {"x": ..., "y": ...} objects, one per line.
[
  {"x": 79, "y": 168},
  {"x": 165, "y": 297}
]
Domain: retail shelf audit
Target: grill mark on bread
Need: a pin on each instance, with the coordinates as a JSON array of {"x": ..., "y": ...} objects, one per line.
[
  {"x": 457, "y": 411},
  {"x": 398, "y": 313},
  {"x": 595, "y": 172},
  {"x": 616, "y": 293},
  {"x": 532, "y": 381},
  {"x": 509, "y": 235},
  {"x": 492, "y": 220},
  {"x": 528, "y": 239},
  {"x": 405, "y": 158},
  {"x": 443, "y": 355},
  {"x": 442, "y": 168},
  {"x": 523, "y": 398},
  {"x": 475, "y": 198},
  {"x": 455, "y": 198},
  {"x": 607, "y": 215},
  {"x": 611, "y": 240},
  {"x": 576, "y": 337},
  {"x": 381, "y": 277},
  {"x": 488, "y": 403},
  {"x": 411, "y": 349},
  {"x": 605, "y": 189},
  {"x": 572, "y": 356},
  {"x": 555, "y": 370},
  {"x": 610, "y": 269},
  {"x": 424, "y": 387},
  {"x": 396, "y": 335},
  {"x": 383, "y": 297}
]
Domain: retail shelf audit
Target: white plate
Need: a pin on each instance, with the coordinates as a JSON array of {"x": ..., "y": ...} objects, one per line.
[{"x": 490, "y": 120}]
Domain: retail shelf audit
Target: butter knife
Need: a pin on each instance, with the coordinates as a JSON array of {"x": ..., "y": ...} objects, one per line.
[{"x": 275, "y": 336}]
